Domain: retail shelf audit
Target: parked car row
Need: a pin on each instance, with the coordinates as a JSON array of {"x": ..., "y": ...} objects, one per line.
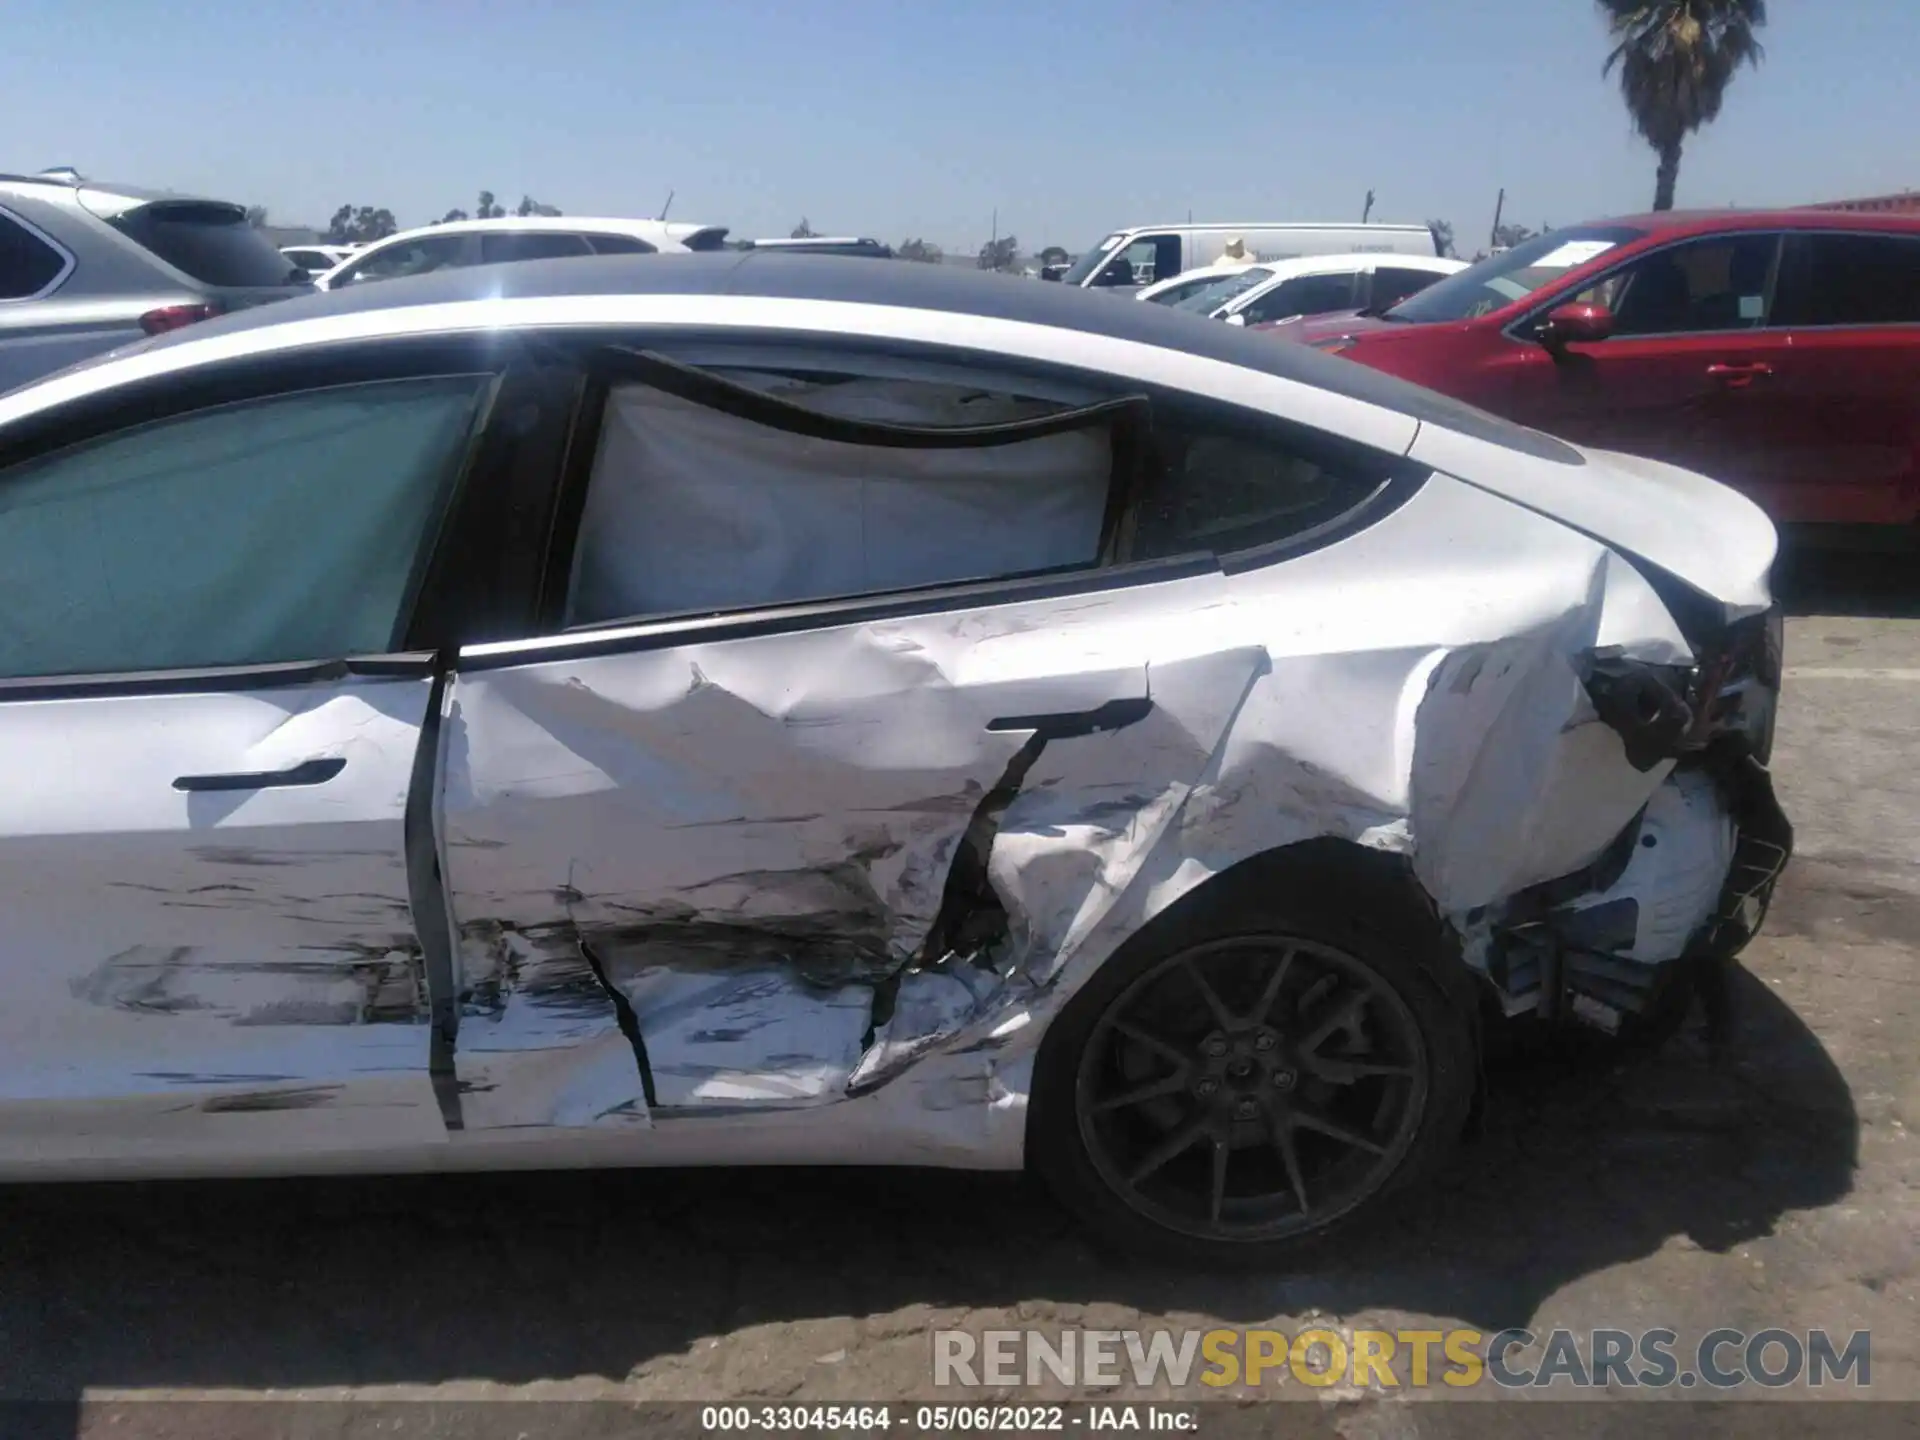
[
  {"x": 1146, "y": 254},
  {"x": 1777, "y": 351},
  {"x": 1312, "y": 285}
]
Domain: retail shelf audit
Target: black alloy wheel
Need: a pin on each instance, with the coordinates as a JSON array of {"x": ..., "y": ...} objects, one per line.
[{"x": 1252, "y": 1087}]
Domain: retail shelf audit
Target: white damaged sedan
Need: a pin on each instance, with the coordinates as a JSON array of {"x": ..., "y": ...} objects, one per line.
[{"x": 768, "y": 710}]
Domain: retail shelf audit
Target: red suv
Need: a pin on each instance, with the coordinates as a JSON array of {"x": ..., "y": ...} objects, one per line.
[{"x": 1776, "y": 351}]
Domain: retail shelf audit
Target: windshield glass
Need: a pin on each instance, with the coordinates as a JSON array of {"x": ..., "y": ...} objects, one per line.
[
  {"x": 1087, "y": 263},
  {"x": 1211, "y": 297},
  {"x": 1499, "y": 280}
]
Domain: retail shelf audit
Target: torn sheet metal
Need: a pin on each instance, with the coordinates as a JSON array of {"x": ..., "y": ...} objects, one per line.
[
  {"x": 540, "y": 1041},
  {"x": 795, "y": 805},
  {"x": 757, "y": 1036},
  {"x": 183, "y": 964},
  {"x": 822, "y": 869}
]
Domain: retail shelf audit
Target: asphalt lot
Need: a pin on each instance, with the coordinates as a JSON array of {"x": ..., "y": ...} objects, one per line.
[{"x": 1776, "y": 1188}]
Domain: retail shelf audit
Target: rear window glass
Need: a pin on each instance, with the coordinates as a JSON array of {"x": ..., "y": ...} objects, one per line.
[
  {"x": 212, "y": 243},
  {"x": 27, "y": 263},
  {"x": 1849, "y": 280},
  {"x": 1225, "y": 484}
]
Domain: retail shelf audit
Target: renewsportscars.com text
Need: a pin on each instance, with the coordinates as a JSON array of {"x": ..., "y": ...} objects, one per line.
[{"x": 1721, "y": 1359}]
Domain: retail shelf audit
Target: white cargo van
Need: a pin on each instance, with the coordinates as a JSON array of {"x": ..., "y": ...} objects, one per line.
[{"x": 1149, "y": 253}]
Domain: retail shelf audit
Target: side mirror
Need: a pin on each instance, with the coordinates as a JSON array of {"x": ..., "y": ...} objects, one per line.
[
  {"x": 1575, "y": 325},
  {"x": 1237, "y": 318}
]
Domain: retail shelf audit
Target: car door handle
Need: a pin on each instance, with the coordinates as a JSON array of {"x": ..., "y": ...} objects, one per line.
[
  {"x": 1736, "y": 376},
  {"x": 307, "y": 772}
]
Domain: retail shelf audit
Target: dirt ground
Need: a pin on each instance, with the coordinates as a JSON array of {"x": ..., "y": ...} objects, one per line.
[{"x": 1775, "y": 1189}]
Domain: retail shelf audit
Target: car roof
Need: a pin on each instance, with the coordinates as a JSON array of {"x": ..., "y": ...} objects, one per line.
[
  {"x": 131, "y": 194},
  {"x": 1684, "y": 222},
  {"x": 393, "y": 306},
  {"x": 649, "y": 229}
]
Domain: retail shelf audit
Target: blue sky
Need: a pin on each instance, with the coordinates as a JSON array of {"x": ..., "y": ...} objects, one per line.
[{"x": 894, "y": 119}]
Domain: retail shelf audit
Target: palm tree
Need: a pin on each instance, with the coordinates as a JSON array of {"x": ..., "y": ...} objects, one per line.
[{"x": 1676, "y": 59}]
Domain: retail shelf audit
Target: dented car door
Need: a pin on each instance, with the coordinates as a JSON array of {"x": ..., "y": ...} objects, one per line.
[
  {"x": 212, "y": 732},
  {"x": 774, "y": 851}
]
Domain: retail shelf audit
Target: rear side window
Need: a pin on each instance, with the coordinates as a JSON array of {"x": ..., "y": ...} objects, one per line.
[
  {"x": 212, "y": 243},
  {"x": 702, "y": 507},
  {"x": 407, "y": 257},
  {"x": 1849, "y": 280},
  {"x": 1225, "y": 482},
  {"x": 530, "y": 245},
  {"x": 1391, "y": 284},
  {"x": 1308, "y": 295},
  {"x": 268, "y": 531},
  {"x": 619, "y": 245},
  {"x": 28, "y": 264},
  {"x": 714, "y": 237}
]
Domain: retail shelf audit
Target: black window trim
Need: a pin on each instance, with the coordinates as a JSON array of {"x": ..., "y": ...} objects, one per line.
[
  {"x": 1910, "y": 237},
  {"x": 608, "y": 358},
  {"x": 67, "y": 261},
  {"x": 1521, "y": 329},
  {"x": 438, "y": 565}
]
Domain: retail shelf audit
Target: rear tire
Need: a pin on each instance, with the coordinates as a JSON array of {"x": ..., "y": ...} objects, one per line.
[{"x": 1251, "y": 1076}]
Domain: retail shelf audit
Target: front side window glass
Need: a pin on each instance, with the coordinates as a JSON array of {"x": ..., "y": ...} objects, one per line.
[{"x": 268, "y": 531}]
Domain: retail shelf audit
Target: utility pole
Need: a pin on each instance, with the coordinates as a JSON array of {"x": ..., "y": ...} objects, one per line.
[{"x": 1498, "y": 206}]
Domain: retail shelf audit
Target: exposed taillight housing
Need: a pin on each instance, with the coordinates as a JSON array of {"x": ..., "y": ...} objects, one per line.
[{"x": 173, "y": 317}]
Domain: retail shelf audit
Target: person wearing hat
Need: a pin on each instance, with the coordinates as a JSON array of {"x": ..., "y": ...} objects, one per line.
[{"x": 1235, "y": 252}]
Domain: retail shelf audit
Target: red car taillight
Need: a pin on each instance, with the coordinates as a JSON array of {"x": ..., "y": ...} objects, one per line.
[{"x": 172, "y": 317}]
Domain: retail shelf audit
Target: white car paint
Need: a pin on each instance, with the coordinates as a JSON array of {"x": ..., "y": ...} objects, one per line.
[
  {"x": 677, "y": 237},
  {"x": 609, "y": 805},
  {"x": 1245, "y": 304},
  {"x": 1179, "y": 287},
  {"x": 323, "y": 258}
]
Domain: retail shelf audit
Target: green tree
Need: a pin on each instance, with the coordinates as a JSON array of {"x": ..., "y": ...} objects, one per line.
[
  {"x": 357, "y": 225},
  {"x": 925, "y": 251},
  {"x": 530, "y": 206},
  {"x": 1442, "y": 237},
  {"x": 803, "y": 231},
  {"x": 1508, "y": 236},
  {"x": 1054, "y": 255},
  {"x": 486, "y": 209},
  {"x": 1000, "y": 254},
  {"x": 256, "y": 215},
  {"x": 1676, "y": 59},
  {"x": 451, "y": 216}
]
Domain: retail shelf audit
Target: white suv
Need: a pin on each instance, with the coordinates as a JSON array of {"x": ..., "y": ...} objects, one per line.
[{"x": 460, "y": 243}]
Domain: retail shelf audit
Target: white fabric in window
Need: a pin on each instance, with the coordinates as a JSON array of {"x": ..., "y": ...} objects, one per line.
[
  {"x": 692, "y": 509},
  {"x": 266, "y": 531}
]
